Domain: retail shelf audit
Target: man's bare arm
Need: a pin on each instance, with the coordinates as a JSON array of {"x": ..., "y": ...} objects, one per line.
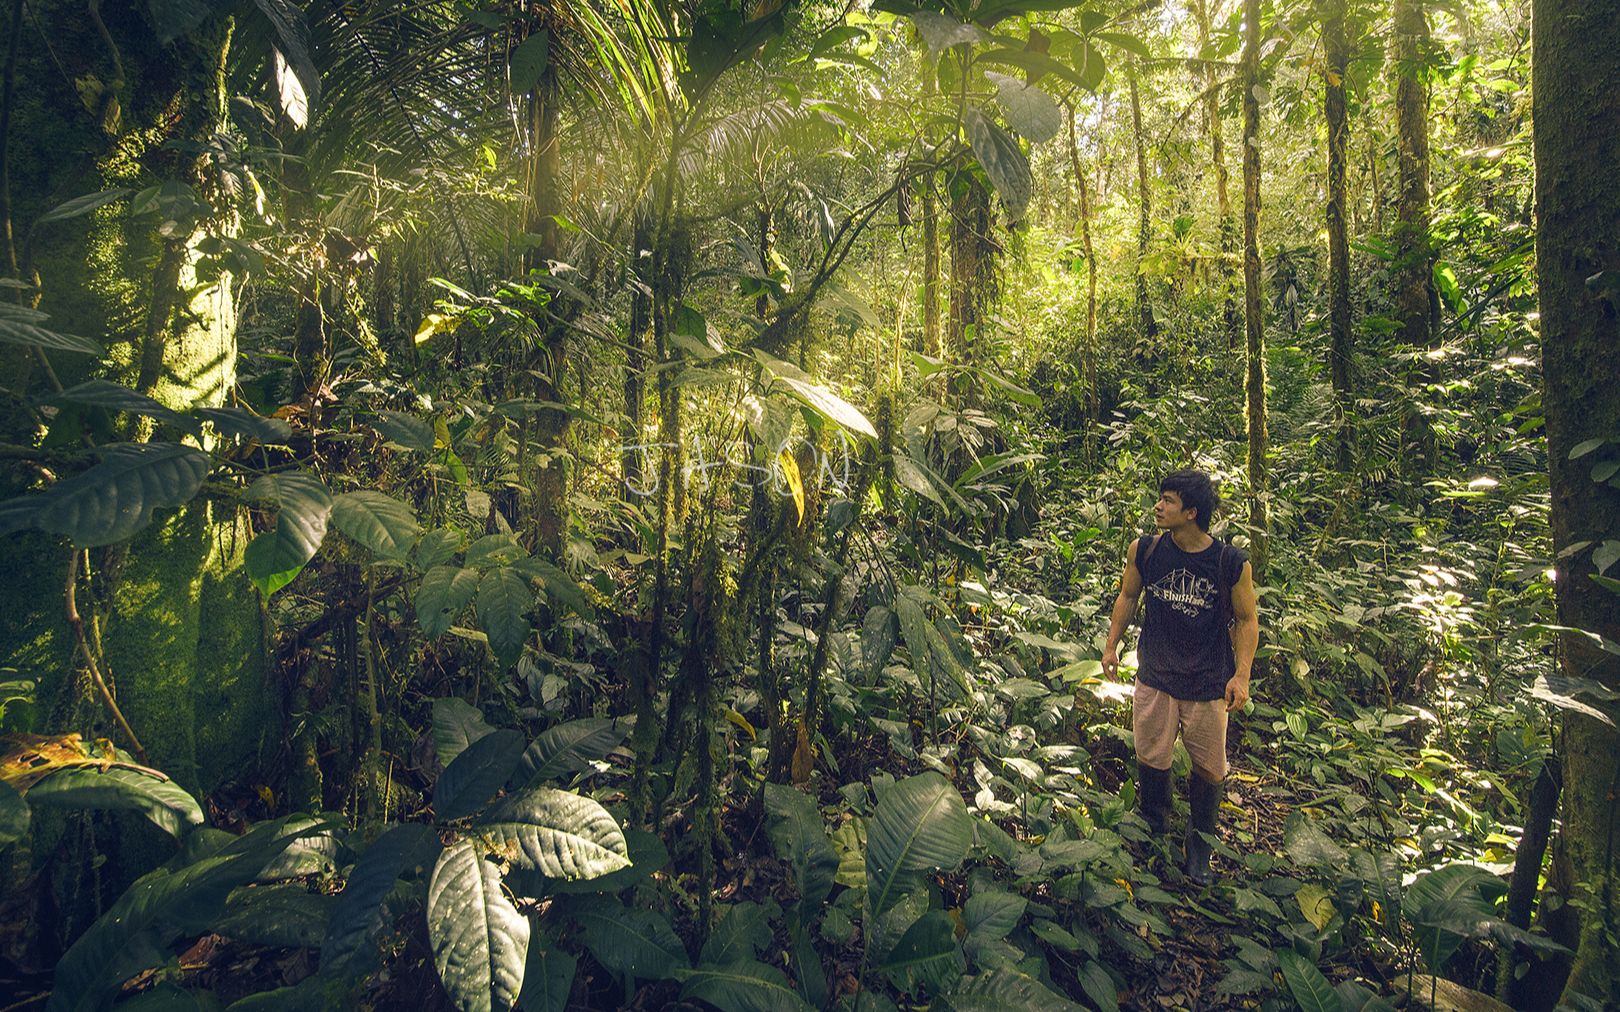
[
  {"x": 1130, "y": 589},
  {"x": 1245, "y": 638}
]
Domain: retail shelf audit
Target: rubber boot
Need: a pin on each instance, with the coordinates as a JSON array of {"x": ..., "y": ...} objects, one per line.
[
  {"x": 1153, "y": 796},
  {"x": 1205, "y": 799}
]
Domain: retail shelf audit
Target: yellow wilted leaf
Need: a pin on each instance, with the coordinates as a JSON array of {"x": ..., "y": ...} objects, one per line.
[
  {"x": 434, "y": 323},
  {"x": 742, "y": 722},
  {"x": 790, "y": 471},
  {"x": 1377, "y": 912},
  {"x": 1316, "y": 903}
]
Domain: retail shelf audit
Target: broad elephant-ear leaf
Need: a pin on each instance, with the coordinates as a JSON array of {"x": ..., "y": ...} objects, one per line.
[
  {"x": 504, "y": 599},
  {"x": 557, "y": 833},
  {"x": 444, "y": 593},
  {"x": 359, "y": 915},
  {"x": 1309, "y": 988},
  {"x": 157, "y": 797},
  {"x": 940, "y": 32},
  {"x": 476, "y": 774},
  {"x": 570, "y": 748},
  {"x": 456, "y": 725},
  {"x": 21, "y": 325},
  {"x": 744, "y": 985},
  {"x": 1003, "y": 160},
  {"x": 276, "y": 557},
  {"x": 480, "y": 940},
  {"x": 921, "y": 823},
  {"x": 115, "y": 499},
  {"x": 381, "y": 523}
]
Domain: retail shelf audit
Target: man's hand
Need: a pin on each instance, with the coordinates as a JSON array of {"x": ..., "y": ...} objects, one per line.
[
  {"x": 1237, "y": 692},
  {"x": 1110, "y": 662}
]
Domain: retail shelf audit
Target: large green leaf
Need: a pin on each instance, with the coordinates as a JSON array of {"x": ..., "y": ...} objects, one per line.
[
  {"x": 746, "y": 985},
  {"x": 559, "y": 586},
  {"x": 879, "y": 631},
  {"x": 14, "y": 815},
  {"x": 1004, "y": 989},
  {"x": 1309, "y": 846},
  {"x": 504, "y": 600},
  {"x": 921, "y": 823},
  {"x": 817, "y": 397},
  {"x": 286, "y": 914},
  {"x": 557, "y": 833},
  {"x": 476, "y": 774},
  {"x": 160, "y": 907},
  {"x": 800, "y": 838},
  {"x": 992, "y": 913},
  {"x": 927, "y": 954},
  {"x": 114, "y": 499},
  {"x": 635, "y": 944},
  {"x": 1028, "y": 109},
  {"x": 359, "y": 915},
  {"x": 569, "y": 748},
  {"x": 456, "y": 724},
  {"x": 157, "y": 797},
  {"x": 444, "y": 593},
  {"x": 741, "y": 934},
  {"x": 235, "y": 421},
  {"x": 1003, "y": 160},
  {"x": 480, "y": 941},
  {"x": 1099, "y": 986},
  {"x": 275, "y": 557},
  {"x": 376, "y": 521},
  {"x": 1311, "y": 990},
  {"x": 112, "y": 396},
  {"x": 528, "y": 61},
  {"x": 82, "y": 205},
  {"x": 941, "y": 31},
  {"x": 21, "y": 325},
  {"x": 548, "y": 977},
  {"x": 406, "y": 431}
]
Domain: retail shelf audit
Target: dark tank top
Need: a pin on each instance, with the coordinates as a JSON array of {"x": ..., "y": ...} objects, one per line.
[{"x": 1185, "y": 648}]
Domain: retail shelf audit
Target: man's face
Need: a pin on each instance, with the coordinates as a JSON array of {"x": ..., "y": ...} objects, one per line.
[{"x": 1168, "y": 512}]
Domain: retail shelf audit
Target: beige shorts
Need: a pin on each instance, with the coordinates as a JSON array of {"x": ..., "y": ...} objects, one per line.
[{"x": 1156, "y": 718}]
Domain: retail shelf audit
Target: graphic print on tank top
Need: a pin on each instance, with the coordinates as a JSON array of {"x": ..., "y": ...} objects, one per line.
[{"x": 1186, "y": 592}]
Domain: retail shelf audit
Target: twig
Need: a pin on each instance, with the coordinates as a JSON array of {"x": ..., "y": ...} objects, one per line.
[{"x": 77, "y": 623}]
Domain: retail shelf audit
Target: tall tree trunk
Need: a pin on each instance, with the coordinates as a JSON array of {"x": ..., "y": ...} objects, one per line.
[
  {"x": 1088, "y": 345},
  {"x": 1336, "y": 52},
  {"x": 1417, "y": 304},
  {"x": 1576, "y": 60},
  {"x": 635, "y": 363},
  {"x": 547, "y": 362},
  {"x": 1223, "y": 197},
  {"x": 971, "y": 274},
  {"x": 1253, "y": 323},
  {"x": 930, "y": 298},
  {"x": 1144, "y": 225},
  {"x": 181, "y": 630}
]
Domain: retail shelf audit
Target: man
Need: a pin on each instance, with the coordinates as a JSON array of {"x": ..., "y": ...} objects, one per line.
[{"x": 1199, "y": 632}]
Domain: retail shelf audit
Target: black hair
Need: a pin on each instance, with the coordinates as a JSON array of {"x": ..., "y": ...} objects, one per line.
[{"x": 1197, "y": 491}]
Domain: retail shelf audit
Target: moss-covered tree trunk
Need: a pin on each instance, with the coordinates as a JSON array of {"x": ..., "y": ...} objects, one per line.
[
  {"x": 1217, "y": 158},
  {"x": 1417, "y": 304},
  {"x": 1336, "y": 54},
  {"x": 182, "y": 632},
  {"x": 1144, "y": 220},
  {"x": 1253, "y": 321},
  {"x": 1577, "y": 146}
]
